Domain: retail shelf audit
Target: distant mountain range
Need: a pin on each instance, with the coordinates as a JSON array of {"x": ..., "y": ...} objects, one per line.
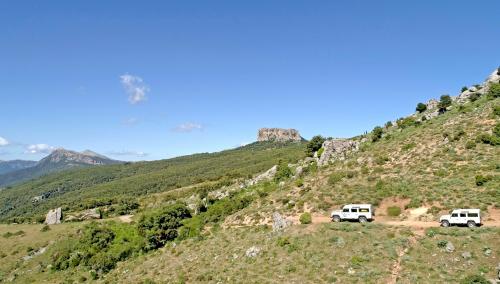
[
  {"x": 12, "y": 172},
  {"x": 15, "y": 165}
]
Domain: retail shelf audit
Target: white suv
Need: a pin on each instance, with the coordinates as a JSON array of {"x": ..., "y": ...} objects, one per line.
[
  {"x": 360, "y": 212},
  {"x": 469, "y": 217}
]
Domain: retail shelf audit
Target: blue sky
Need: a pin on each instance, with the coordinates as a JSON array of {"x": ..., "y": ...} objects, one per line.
[{"x": 144, "y": 80}]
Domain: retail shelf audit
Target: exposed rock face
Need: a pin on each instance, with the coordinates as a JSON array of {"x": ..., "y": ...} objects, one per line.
[
  {"x": 278, "y": 135},
  {"x": 337, "y": 149},
  {"x": 54, "y": 216},
  {"x": 280, "y": 223},
  {"x": 85, "y": 215}
]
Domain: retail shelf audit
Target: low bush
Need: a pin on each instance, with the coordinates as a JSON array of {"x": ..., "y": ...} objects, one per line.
[
  {"x": 314, "y": 145},
  {"x": 305, "y": 218},
  {"x": 394, "y": 211},
  {"x": 407, "y": 122},
  {"x": 160, "y": 226},
  {"x": 494, "y": 91},
  {"x": 335, "y": 178},
  {"x": 474, "y": 279},
  {"x": 377, "y": 133},
  {"x": 45, "y": 228},
  {"x": 481, "y": 180},
  {"x": 283, "y": 172}
]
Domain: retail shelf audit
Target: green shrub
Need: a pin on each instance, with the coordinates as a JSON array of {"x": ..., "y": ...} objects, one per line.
[
  {"x": 161, "y": 226},
  {"x": 314, "y": 145},
  {"x": 394, "y": 211},
  {"x": 481, "y": 180},
  {"x": 335, "y": 178},
  {"x": 474, "y": 279},
  {"x": 407, "y": 122},
  {"x": 299, "y": 182},
  {"x": 388, "y": 124},
  {"x": 45, "y": 228},
  {"x": 496, "y": 110},
  {"x": 421, "y": 107},
  {"x": 464, "y": 88},
  {"x": 474, "y": 97},
  {"x": 320, "y": 151},
  {"x": 305, "y": 218},
  {"x": 470, "y": 144},
  {"x": 283, "y": 241},
  {"x": 377, "y": 133},
  {"x": 494, "y": 91},
  {"x": 442, "y": 243},
  {"x": 488, "y": 139},
  {"x": 283, "y": 172},
  {"x": 444, "y": 102},
  {"x": 409, "y": 146}
]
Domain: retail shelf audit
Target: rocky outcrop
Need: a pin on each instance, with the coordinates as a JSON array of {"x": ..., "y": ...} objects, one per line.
[
  {"x": 268, "y": 175},
  {"x": 337, "y": 149},
  {"x": 278, "y": 135},
  {"x": 54, "y": 216},
  {"x": 479, "y": 90}
]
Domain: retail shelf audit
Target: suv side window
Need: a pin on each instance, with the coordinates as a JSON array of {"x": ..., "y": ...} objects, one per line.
[
  {"x": 354, "y": 209},
  {"x": 462, "y": 214},
  {"x": 345, "y": 210},
  {"x": 473, "y": 215},
  {"x": 454, "y": 215},
  {"x": 364, "y": 210}
]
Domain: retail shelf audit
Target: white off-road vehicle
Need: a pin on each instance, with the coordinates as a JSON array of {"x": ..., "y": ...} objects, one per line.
[
  {"x": 360, "y": 212},
  {"x": 469, "y": 217}
]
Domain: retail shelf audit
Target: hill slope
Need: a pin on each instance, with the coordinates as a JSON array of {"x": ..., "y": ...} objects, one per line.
[{"x": 86, "y": 188}]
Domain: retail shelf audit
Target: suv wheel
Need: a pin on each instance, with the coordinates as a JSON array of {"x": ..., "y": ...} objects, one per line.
[
  {"x": 445, "y": 223},
  {"x": 471, "y": 224},
  {"x": 362, "y": 219},
  {"x": 336, "y": 218}
]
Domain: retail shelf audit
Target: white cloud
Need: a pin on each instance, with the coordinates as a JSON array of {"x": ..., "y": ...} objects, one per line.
[
  {"x": 135, "y": 88},
  {"x": 188, "y": 127},
  {"x": 39, "y": 149},
  {"x": 3, "y": 142},
  {"x": 130, "y": 121},
  {"x": 128, "y": 153}
]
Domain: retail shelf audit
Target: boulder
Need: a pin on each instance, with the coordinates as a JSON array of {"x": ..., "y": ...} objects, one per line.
[
  {"x": 54, "y": 216},
  {"x": 337, "y": 149},
  {"x": 278, "y": 135},
  {"x": 450, "y": 247},
  {"x": 280, "y": 223},
  {"x": 90, "y": 214},
  {"x": 253, "y": 251}
]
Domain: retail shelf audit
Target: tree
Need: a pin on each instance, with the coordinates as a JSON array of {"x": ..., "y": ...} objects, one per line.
[
  {"x": 377, "y": 133},
  {"x": 464, "y": 89},
  {"x": 314, "y": 145},
  {"x": 421, "y": 107},
  {"x": 444, "y": 102}
]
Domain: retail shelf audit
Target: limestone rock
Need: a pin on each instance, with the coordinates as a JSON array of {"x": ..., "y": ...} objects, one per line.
[
  {"x": 253, "y": 251},
  {"x": 90, "y": 214},
  {"x": 278, "y": 135},
  {"x": 337, "y": 149},
  {"x": 54, "y": 216},
  {"x": 268, "y": 175},
  {"x": 280, "y": 223},
  {"x": 450, "y": 247},
  {"x": 466, "y": 255},
  {"x": 432, "y": 104}
]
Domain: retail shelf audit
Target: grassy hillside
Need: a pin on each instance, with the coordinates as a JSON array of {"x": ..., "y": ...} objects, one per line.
[
  {"x": 87, "y": 188},
  {"x": 441, "y": 163},
  {"x": 452, "y": 160}
]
